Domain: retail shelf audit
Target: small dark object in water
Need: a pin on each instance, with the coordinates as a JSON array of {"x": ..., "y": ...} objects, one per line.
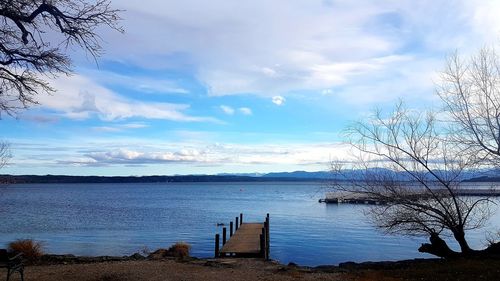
[{"x": 220, "y": 224}]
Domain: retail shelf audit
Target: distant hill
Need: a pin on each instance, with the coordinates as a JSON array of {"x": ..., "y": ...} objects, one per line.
[
  {"x": 484, "y": 179},
  {"x": 14, "y": 179},
  {"x": 300, "y": 175},
  {"x": 473, "y": 176}
]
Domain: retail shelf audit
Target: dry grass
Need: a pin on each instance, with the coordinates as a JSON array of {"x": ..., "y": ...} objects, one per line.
[
  {"x": 180, "y": 250},
  {"x": 31, "y": 249}
]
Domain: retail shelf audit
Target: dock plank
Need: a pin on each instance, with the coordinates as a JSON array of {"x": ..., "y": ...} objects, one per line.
[{"x": 246, "y": 240}]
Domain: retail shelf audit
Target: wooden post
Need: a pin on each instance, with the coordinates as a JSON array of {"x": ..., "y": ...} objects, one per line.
[
  {"x": 217, "y": 252},
  {"x": 230, "y": 229},
  {"x": 223, "y": 236},
  {"x": 241, "y": 218},
  {"x": 268, "y": 237},
  {"x": 263, "y": 243},
  {"x": 236, "y": 224}
]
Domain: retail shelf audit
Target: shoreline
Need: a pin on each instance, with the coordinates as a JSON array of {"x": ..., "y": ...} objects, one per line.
[
  {"x": 137, "y": 267},
  {"x": 54, "y": 259}
]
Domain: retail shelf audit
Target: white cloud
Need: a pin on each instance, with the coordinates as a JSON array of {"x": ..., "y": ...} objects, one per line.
[
  {"x": 249, "y": 47},
  {"x": 78, "y": 97},
  {"x": 196, "y": 152},
  {"x": 97, "y": 151},
  {"x": 135, "y": 125},
  {"x": 221, "y": 154},
  {"x": 414, "y": 82},
  {"x": 120, "y": 127},
  {"x": 269, "y": 71},
  {"x": 326, "y": 91},
  {"x": 139, "y": 83},
  {"x": 278, "y": 100},
  {"x": 231, "y": 111},
  {"x": 127, "y": 156},
  {"x": 245, "y": 110},
  {"x": 107, "y": 129},
  {"x": 227, "y": 109}
]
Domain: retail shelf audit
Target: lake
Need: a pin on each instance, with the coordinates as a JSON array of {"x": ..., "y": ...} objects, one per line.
[{"x": 121, "y": 219}]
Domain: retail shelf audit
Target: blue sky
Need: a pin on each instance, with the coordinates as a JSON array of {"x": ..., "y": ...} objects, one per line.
[{"x": 212, "y": 87}]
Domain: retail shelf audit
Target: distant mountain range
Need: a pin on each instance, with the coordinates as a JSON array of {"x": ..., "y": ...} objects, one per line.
[
  {"x": 295, "y": 175},
  {"x": 476, "y": 176},
  {"x": 15, "y": 179}
]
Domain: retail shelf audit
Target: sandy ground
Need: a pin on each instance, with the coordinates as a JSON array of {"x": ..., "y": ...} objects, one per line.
[
  {"x": 249, "y": 269},
  {"x": 242, "y": 269}
]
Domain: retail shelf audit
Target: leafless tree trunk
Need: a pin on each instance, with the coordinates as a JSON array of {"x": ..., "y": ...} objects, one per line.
[
  {"x": 5, "y": 156},
  {"x": 29, "y": 49},
  {"x": 4, "y": 153},
  {"x": 406, "y": 162}
]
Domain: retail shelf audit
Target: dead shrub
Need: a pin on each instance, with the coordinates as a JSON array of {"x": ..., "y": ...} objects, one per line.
[
  {"x": 32, "y": 250},
  {"x": 179, "y": 250}
]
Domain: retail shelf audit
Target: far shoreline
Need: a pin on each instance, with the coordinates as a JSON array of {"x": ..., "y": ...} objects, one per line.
[
  {"x": 63, "y": 179},
  {"x": 69, "y": 179}
]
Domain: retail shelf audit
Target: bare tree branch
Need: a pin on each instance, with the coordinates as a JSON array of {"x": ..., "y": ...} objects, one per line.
[
  {"x": 410, "y": 163},
  {"x": 5, "y": 154},
  {"x": 27, "y": 55},
  {"x": 470, "y": 90}
]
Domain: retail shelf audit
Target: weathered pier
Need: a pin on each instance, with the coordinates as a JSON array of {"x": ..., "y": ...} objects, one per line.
[
  {"x": 349, "y": 198},
  {"x": 363, "y": 198},
  {"x": 249, "y": 239}
]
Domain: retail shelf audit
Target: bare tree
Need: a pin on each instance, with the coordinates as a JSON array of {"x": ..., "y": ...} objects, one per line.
[
  {"x": 5, "y": 156},
  {"x": 34, "y": 35},
  {"x": 405, "y": 161},
  {"x": 470, "y": 90},
  {"x": 4, "y": 153}
]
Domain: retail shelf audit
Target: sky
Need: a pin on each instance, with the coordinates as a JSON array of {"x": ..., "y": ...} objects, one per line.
[{"x": 224, "y": 86}]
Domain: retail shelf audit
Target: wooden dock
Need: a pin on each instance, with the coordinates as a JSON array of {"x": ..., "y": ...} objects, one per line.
[
  {"x": 349, "y": 198},
  {"x": 249, "y": 239},
  {"x": 361, "y": 198}
]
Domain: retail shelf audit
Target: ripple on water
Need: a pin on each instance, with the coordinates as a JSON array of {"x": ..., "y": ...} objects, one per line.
[{"x": 120, "y": 219}]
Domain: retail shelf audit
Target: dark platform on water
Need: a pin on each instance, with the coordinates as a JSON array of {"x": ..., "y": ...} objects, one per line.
[
  {"x": 362, "y": 198},
  {"x": 249, "y": 239}
]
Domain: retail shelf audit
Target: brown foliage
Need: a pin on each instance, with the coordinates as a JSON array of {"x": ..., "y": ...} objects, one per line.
[
  {"x": 31, "y": 249},
  {"x": 180, "y": 250}
]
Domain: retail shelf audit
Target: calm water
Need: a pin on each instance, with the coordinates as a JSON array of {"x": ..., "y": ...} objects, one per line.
[{"x": 120, "y": 219}]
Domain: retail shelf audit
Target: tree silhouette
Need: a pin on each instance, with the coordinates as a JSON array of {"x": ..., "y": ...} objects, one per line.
[
  {"x": 34, "y": 38},
  {"x": 406, "y": 162}
]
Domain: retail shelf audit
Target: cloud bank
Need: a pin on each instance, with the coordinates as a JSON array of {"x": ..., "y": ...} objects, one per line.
[
  {"x": 276, "y": 47},
  {"x": 79, "y": 98}
]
